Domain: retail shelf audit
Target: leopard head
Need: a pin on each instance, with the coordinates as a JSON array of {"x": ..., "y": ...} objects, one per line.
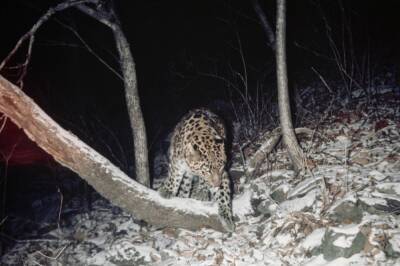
[{"x": 208, "y": 158}]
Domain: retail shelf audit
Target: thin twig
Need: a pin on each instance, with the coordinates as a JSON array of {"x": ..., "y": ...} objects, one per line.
[
  {"x": 31, "y": 33},
  {"x": 56, "y": 256},
  {"x": 265, "y": 24},
  {"x": 4, "y": 219},
  {"x": 322, "y": 79},
  {"x": 60, "y": 209},
  {"x": 89, "y": 49},
  {"x": 3, "y": 124}
]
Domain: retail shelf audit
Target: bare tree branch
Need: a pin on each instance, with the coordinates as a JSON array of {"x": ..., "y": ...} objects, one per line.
[
  {"x": 90, "y": 50},
  {"x": 265, "y": 24},
  {"x": 269, "y": 142},
  {"x": 99, "y": 14},
  {"x": 31, "y": 33}
]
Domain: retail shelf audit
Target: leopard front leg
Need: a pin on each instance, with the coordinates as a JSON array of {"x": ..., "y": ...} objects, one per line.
[
  {"x": 170, "y": 186},
  {"x": 186, "y": 187},
  {"x": 224, "y": 203},
  {"x": 201, "y": 191}
]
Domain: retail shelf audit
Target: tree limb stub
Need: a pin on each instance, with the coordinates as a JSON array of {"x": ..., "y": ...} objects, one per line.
[
  {"x": 269, "y": 142},
  {"x": 99, "y": 172}
]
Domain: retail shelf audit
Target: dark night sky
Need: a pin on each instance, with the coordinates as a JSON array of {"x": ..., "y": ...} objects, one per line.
[{"x": 176, "y": 45}]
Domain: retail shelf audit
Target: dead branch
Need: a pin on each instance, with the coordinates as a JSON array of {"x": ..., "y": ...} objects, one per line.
[
  {"x": 269, "y": 142},
  {"x": 269, "y": 32},
  {"x": 31, "y": 35}
]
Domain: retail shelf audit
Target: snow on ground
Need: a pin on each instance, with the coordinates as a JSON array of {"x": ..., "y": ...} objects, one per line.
[{"x": 281, "y": 219}]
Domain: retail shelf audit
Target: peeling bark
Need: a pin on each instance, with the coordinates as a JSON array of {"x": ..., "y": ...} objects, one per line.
[{"x": 99, "y": 172}]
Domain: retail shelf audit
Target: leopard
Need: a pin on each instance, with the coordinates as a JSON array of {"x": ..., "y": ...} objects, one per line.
[{"x": 197, "y": 152}]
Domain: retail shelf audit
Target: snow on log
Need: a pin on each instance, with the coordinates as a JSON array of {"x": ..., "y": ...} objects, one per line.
[{"x": 100, "y": 173}]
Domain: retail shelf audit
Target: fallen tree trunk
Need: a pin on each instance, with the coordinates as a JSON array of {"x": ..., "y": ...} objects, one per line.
[{"x": 100, "y": 173}]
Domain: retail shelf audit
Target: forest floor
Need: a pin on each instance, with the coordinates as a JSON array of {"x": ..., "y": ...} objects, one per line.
[{"x": 343, "y": 210}]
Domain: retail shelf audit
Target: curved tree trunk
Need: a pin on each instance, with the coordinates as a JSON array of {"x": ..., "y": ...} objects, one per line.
[
  {"x": 133, "y": 104},
  {"x": 289, "y": 137},
  {"x": 99, "y": 172},
  {"x": 106, "y": 14}
]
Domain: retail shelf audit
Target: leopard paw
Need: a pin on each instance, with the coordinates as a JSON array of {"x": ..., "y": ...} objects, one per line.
[
  {"x": 226, "y": 218},
  {"x": 201, "y": 194},
  {"x": 165, "y": 193}
]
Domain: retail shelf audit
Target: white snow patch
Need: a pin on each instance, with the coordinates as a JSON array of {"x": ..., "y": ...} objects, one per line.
[
  {"x": 98, "y": 240},
  {"x": 303, "y": 186},
  {"x": 395, "y": 242},
  {"x": 288, "y": 174},
  {"x": 343, "y": 140},
  {"x": 344, "y": 241},
  {"x": 351, "y": 197},
  {"x": 373, "y": 201},
  {"x": 378, "y": 176},
  {"x": 314, "y": 239},
  {"x": 390, "y": 186},
  {"x": 386, "y": 196},
  {"x": 241, "y": 205},
  {"x": 284, "y": 239},
  {"x": 124, "y": 250},
  {"x": 350, "y": 229},
  {"x": 299, "y": 204}
]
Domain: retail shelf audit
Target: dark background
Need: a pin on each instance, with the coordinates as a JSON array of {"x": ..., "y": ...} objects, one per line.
[
  {"x": 177, "y": 45},
  {"x": 183, "y": 52}
]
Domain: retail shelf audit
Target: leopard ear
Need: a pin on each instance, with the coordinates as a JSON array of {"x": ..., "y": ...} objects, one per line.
[{"x": 194, "y": 152}]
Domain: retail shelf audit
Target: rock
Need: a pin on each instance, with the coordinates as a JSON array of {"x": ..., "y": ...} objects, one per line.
[
  {"x": 342, "y": 242},
  {"x": 301, "y": 204},
  {"x": 312, "y": 243},
  {"x": 303, "y": 187},
  {"x": 378, "y": 176},
  {"x": 280, "y": 175},
  {"x": 259, "y": 191},
  {"x": 389, "y": 188},
  {"x": 392, "y": 202},
  {"x": 242, "y": 204},
  {"x": 280, "y": 193},
  {"x": 362, "y": 158},
  {"x": 263, "y": 207},
  {"x": 392, "y": 249},
  {"x": 346, "y": 211}
]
